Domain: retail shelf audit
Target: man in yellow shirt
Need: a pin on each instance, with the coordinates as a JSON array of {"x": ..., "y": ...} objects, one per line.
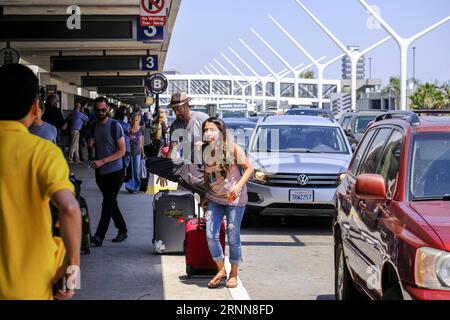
[{"x": 33, "y": 171}]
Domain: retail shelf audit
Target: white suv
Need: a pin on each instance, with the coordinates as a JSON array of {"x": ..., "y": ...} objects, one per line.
[{"x": 299, "y": 161}]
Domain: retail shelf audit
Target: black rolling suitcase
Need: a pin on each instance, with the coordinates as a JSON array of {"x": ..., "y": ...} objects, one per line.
[
  {"x": 170, "y": 211},
  {"x": 86, "y": 241}
]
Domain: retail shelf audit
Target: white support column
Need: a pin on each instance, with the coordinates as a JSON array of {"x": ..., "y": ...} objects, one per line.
[
  {"x": 214, "y": 68},
  {"x": 274, "y": 74},
  {"x": 261, "y": 79},
  {"x": 292, "y": 69},
  {"x": 353, "y": 56},
  {"x": 232, "y": 77},
  {"x": 207, "y": 69},
  {"x": 252, "y": 83},
  {"x": 319, "y": 66},
  {"x": 404, "y": 44}
]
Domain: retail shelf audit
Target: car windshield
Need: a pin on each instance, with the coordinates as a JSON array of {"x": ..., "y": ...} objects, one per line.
[
  {"x": 305, "y": 112},
  {"x": 299, "y": 139},
  {"x": 362, "y": 122},
  {"x": 170, "y": 120},
  {"x": 430, "y": 166},
  {"x": 241, "y": 132},
  {"x": 233, "y": 114}
]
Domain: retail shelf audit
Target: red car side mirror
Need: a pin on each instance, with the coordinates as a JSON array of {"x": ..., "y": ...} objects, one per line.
[{"x": 370, "y": 187}]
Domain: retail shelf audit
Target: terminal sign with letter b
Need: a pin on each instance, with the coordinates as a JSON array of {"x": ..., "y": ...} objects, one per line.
[{"x": 156, "y": 83}]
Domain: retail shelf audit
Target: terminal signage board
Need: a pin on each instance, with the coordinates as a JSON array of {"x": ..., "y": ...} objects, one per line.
[
  {"x": 156, "y": 83},
  {"x": 150, "y": 34},
  {"x": 153, "y": 13},
  {"x": 9, "y": 56},
  {"x": 149, "y": 63},
  {"x": 232, "y": 106}
]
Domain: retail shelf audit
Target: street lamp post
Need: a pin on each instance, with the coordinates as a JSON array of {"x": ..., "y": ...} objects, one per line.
[
  {"x": 370, "y": 68},
  {"x": 414, "y": 68}
]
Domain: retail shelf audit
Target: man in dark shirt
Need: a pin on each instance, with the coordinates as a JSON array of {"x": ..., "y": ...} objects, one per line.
[
  {"x": 109, "y": 141},
  {"x": 53, "y": 114}
]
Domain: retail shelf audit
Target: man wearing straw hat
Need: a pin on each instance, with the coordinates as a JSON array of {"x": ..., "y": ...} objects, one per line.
[{"x": 186, "y": 130}]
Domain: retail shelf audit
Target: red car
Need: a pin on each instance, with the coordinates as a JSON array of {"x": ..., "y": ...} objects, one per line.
[{"x": 392, "y": 227}]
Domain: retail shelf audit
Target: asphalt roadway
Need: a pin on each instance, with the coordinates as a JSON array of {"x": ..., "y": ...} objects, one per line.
[{"x": 291, "y": 259}]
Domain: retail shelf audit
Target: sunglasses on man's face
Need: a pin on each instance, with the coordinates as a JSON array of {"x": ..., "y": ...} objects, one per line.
[{"x": 103, "y": 110}]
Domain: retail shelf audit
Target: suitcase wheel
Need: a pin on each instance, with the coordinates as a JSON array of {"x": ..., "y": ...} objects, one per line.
[{"x": 189, "y": 270}]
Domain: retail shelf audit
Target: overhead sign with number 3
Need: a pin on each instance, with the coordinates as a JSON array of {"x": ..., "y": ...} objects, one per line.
[{"x": 149, "y": 63}]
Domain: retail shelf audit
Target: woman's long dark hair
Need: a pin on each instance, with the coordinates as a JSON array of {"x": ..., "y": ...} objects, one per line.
[{"x": 227, "y": 151}]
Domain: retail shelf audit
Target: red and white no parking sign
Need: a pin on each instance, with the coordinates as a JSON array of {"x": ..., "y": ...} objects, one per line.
[{"x": 153, "y": 13}]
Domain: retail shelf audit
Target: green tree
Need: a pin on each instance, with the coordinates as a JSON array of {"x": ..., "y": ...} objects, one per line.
[
  {"x": 308, "y": 74},
  {"x": 393, "y": 88},
  {"x": 428, "y": 96}
]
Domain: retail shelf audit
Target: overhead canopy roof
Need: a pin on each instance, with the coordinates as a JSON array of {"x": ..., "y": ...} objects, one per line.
[{"x": 37, "y": 29}]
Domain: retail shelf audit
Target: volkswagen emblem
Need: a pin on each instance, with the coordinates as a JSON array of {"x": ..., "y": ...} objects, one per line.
[
  {"x": 173, "y": 205},
  {"x": 302, "y": 179}
]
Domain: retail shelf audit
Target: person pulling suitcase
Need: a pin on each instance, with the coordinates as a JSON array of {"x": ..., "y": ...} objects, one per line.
[{"x": 226, "y": 196}]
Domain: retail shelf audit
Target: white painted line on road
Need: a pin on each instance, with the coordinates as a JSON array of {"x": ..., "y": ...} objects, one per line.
[{"x": 238, "y": 293}]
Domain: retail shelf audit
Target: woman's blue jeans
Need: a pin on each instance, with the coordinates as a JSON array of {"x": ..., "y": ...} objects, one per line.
[
  {"x": 135, "y": 182},
  {"x": 214, "y": 218}
]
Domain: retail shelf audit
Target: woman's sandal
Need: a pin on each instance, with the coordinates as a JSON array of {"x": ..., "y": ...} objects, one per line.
[
  {"x": 219, "y": 282},
  {"x": 231, "y": 284}
]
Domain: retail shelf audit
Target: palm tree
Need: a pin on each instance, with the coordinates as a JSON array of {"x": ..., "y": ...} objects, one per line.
[
  {"x": 307, "y": 75},
  {"x": 428, "y": 96},
  {"x": 393, "y": 88}
]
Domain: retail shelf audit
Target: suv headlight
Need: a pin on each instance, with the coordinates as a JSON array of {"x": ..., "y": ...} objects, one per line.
[
  {"x": 342, "y": 177},
  {"x": 432, "y": 269},
  {"x": 259, "y": 177}
]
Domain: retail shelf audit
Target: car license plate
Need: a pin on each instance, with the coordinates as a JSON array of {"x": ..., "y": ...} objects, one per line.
[{"x": 301, "y": 196}]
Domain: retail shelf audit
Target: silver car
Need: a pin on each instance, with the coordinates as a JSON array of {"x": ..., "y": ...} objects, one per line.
[{"x": 299, "y": 161}]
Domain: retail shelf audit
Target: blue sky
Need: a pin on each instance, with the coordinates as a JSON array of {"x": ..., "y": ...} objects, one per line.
[{"x": 204, "y": 28}]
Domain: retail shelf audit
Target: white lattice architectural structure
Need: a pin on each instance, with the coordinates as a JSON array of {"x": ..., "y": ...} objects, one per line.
[{"x": 203, "y": 88}]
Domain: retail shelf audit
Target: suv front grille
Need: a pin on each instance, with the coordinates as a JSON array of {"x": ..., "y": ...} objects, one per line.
[{"x": 314, "y": 180}]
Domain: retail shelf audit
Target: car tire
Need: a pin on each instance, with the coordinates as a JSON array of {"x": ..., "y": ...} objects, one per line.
[
  {"x": 344, "y": 286},
  {"x": 394, "y": 293}
]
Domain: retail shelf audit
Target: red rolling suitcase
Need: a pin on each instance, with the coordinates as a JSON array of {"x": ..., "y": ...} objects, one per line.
[{"x": 198, "y": 257}]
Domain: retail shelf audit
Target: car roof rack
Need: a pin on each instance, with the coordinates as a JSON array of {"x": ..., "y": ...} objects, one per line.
[
  {"x": 409, "y": 116},
  {"x": 433, "y": 112}
]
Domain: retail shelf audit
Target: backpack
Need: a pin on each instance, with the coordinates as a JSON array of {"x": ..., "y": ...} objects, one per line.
[{"x": 126, "y": 159}]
